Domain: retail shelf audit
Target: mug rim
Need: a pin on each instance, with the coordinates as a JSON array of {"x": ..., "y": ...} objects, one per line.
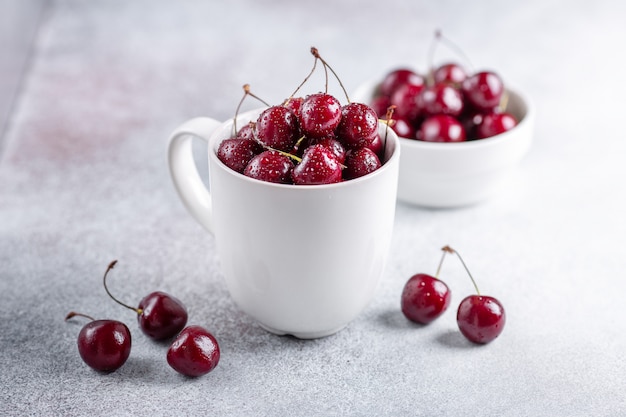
[{"x": 216, "y": 138}]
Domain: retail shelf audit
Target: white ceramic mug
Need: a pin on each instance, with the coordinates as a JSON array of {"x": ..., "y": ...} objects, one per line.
[{"x": 301, "y": 260}]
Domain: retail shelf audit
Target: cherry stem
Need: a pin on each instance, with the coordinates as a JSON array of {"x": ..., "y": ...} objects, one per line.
[
  {"x": 317, "y": 55},
  {"x": 431, "y": 54},
  {"x": 303, "y": 82},
  {"x": 75, "y": 314},
  {"x": 504, "y": 101},
  {"x": 443, "y": 255},
  {"x": 388, "y": 123},
  {"x": 104, "y": 281},
  {"x": 246, "y": 93},
  {"x": 448, "y": 249}
]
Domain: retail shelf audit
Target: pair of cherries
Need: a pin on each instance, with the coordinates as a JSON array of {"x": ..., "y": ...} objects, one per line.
[
  {"x": 424, "y": 298},
  {"x": 105, "y": 345}
]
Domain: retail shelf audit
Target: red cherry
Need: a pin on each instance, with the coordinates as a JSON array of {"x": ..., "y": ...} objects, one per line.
[
  {"x": 481, "y": 319},
  {"x": 424, "y": 298},
  {"x": 104, "y": 345},
  {"x": 160, "y": 315},
  {"x": 377, "y": 146},
  {"x": 294, "y": 104},
  {"x": 449, "y": 73},
  {"x": 236, "y": 153},
  {"x": 403, "y": 127},
  {"x": 380, "y": 105},
  {"x": 398, "y": 77},
  {"x": 195, "y": 352},
  {"x": 441, "y": 128},
  {"x": 358, "y": 126},
  {"x": 360, "y": 162},
  {"x": 278, "y": 128},
  {"x": 405, "y": 98},
  {"x": 483, "y": 90},
  {"x": 333, "y": 144},
  {"x": 441, "y": 99},
  {"x": 247, "y": 132},
  {"x": 320, "y": 115},
  {"x": 270, "y": 166},
  {"x": 318, "y": 166},
  {"x": 495, "y": 123}
]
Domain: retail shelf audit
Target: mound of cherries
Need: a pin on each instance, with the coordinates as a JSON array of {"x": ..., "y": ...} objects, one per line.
[
  {"x": 308, "y": 140},
  {"x": 105, "y": 345},
  {"x": 448, "y": 105},
  {"x": 425, "y": 297}
]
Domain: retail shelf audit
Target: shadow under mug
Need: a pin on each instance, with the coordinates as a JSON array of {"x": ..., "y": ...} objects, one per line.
[{"x": 303, "y": 260}]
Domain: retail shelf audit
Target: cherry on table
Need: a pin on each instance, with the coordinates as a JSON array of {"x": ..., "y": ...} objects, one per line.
[
  {"x": 480, "y": 318},
  {"x": 103, "y": 345},
  {"x": 159, "y": 314},
  {"x": 194, "y": 352},
  {"x": 424, "y": 298}
]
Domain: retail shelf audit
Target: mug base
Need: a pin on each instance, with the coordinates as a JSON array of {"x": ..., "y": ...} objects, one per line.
[{"x": 302, "y": 335}]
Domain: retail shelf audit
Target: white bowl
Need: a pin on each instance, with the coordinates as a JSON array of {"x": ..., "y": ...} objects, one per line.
[{"x": 446, "y": 175}]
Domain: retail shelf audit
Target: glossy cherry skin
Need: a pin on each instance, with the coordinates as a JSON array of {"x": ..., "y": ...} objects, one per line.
[
  {"x": 440, "y": 99},
  {"x": 295, "y": 105},
  {"x": 248, "y": 131},
  {"x": 403, "y": 127},
  {"x": 278, "y": 128},
  {"x": 318, "y": 166},
  {"x": 495, "y": 123},
  {"x": 441, "y": 128},
  {"x": 483, "y": 90},
  {"x": 270, "y": 166},
  {"x": 424, "y": 298},
  {"x": 398, "y": 77},
  {"x": 104, "y": 345},
  {"x": 236, "y": 153},
  {"x": 481, "y": 318},
  {"x": 377, "y": 146},
  {"x": 405, "y": 98},
  {"x": 360, "y": 162},
  {"x": 358, "y": 126},
  {"x": 162, "y": 315},
  {"x": 333, "y": 144},
  {"x": 320, "y": 115},
  {"x": 380, "y": 104},
  {"x": 195, "y": 352},
  {"x": 450, "y": 73}
]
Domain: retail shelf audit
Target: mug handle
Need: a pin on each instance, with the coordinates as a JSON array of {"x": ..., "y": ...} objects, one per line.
[{"x": 184, "y": 172}]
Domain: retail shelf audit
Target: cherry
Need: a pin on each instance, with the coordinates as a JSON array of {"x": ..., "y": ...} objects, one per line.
[
  {"x": 495, "y": 123},
  {"x": 295, "y": 105},
  {"x": 194, "y": 352},
  {"x": 278, "y": 128},
  {"x": 441, "y": 99},
  {"x": 270, "y": 166},
  {"x": 247, "y": 132},
  {"x": 377, "y": 146},
  {"x": 334, "y": 145},
  {"x": 405, "y": 98},
  {"x": 236, "y": 153},
  {"x": 160, "y": 315},
  {"x": 104, "y": 345},
  {"x": 318, "y": 166},
  {"x": 380, "y": 105},
  {"x": 358, "y": 125},
  {"x": 424, "y": 298},
  {"x": 403, "y": 127},
  {"x": 480, "y": 318},
  {"x": 398, "y": 77},
  {"x": 483, "y": 90},
  {"x": 441, "y": 128},
  {"x": 320, "y": 115},
  {"x": 360, "y": 162},
  {"x": 449, "y": 73}
]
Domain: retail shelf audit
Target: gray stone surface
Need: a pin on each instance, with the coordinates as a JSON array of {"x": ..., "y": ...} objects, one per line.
[{"x": 83, "y": 181}]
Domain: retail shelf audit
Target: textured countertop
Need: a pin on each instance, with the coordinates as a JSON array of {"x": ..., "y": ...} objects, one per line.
[{"x": 84, "y": 180}]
